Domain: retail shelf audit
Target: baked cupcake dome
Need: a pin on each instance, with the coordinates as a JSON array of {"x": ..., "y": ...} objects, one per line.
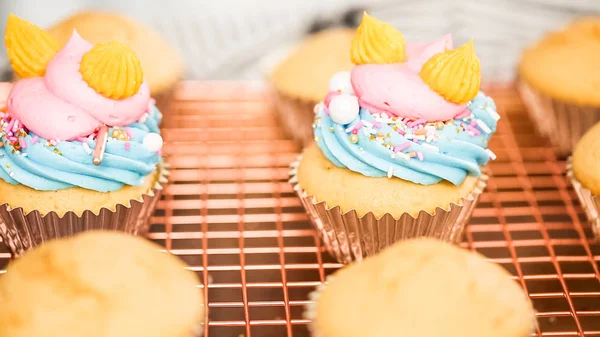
[
  {"x": 564, "y": 64},
  {"x": 422, "y": 287},
  {"x": 305, "y": 74},
  {"x": 162, "y": 65},
  {"x": 99, "y": 284},
  {"x": 586, "y": 160}
]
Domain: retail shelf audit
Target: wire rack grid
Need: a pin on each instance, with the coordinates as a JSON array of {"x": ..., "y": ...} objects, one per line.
[{"x": 232, "y": 216}]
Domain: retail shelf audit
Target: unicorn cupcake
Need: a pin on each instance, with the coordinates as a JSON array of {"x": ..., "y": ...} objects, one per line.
[
  {"x": 400, "y": 142},
  {"x": 80, "y": 143}
]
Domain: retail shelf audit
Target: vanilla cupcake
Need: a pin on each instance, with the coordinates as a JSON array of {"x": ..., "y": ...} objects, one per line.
[
  {"x": 100, "y": 284},
  {"x": 583, "y": 170},
  {"x": 80, "y": 146},
  {"x": 302, "y": 79},
  {"x": 425, "y": 288},
  {"x": 162, "y": 64},
  {"x": 559, "y": 83},
  {"x": 399, "y": 144}
]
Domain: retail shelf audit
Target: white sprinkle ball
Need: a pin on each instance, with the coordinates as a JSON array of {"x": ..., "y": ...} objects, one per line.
[
  {"x": 343, "y": 109},
  {"x": 153, "y": 142},
  {"x": 341, "y": 82}
]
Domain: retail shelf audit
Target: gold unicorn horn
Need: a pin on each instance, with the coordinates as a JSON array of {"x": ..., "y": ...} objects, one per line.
[
  {"x": 112, "y": 69},
  {"x": 377, "y": 42},
  {"x": 454, "y": 74},
  {"x": 29, "y": 47}
]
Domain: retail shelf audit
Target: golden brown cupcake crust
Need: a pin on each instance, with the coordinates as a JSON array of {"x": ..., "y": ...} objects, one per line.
[
  {"x": 162, "y": 65},
  {"x": 350, "y": 190},
  {"x": 99, "y": 284},
  {"x": 586, "y": 160},
  {"x": 426, "y": 288},
  {"x": 306, "y": 73},
  {"x": 75, "y": 199},
  {"x": 565, "y": 65}
]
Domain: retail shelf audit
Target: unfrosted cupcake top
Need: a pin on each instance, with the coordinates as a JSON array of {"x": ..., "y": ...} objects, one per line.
[
  {"x": 407, "y": 110},
  {"x": 566, "y": 64},
  {"x": 81, "y": 115}
]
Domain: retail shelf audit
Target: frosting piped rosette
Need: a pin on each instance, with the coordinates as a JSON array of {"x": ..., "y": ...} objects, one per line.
[
  {"x": 80, "y": 116},
  {"x": 423, "y": 119}
]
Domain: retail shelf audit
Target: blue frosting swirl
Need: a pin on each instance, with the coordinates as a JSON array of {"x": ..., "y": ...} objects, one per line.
[
  {"x": 46, "y": 167},
  {"x": 384, "y": 146}
]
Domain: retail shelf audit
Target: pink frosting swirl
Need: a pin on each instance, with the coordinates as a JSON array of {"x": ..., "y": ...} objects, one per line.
[
  {"x": 398, "y": 90},
  {"x": 62, "y": 106}
]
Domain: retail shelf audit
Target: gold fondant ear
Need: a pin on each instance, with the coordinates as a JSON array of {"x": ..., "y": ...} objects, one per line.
[
  {"x": 29, "y": 47},
  {"x": 112, "y": 69}
]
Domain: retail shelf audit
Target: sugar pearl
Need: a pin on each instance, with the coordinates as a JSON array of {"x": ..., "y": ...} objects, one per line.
[
  {"x": 153, "y": 142},
  {"x": 341, "y": 82},
  {"x": 343, "y": 109}
]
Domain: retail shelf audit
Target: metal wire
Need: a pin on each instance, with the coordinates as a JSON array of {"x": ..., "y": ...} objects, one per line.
[{"x": 231, "y": 215}]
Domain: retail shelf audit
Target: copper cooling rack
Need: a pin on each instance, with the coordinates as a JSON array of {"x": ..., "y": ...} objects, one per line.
[{"x": 232, "y": 216}]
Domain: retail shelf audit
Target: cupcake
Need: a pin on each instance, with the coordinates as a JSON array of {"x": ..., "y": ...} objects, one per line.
[
  {"x": 301, "y": 80},
  {"x": 582, "y": 170},
  {"x": 163, "y": 66},
  {"x": 399, "y": 148},
  {"x": 421, "y": 287},
  {"x": 559, "y": 83},
  {"x": 100, "y": 284},
  {"x": 80, "y": 146}
]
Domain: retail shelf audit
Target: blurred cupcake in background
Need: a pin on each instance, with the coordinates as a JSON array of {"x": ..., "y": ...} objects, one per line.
[
  {"x": 399, "y": 144},
  {"x": 425, "y": 288},
  {"x": 583, "y": 169},
  {"x": 100, "y": 284},
  {"x": 302, "y": 79},
  {"x": 560, "y": 83},
  {"x": 80, "y": 146},
  {"x": 163, "y": 66}
]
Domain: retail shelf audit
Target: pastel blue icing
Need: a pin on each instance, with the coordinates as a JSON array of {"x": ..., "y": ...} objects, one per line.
[
  {"x": 40, "y": 167},
  {"x": 460, "y": 154}
]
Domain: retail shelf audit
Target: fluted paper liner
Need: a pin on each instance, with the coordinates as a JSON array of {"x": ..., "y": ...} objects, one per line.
[
  {"x": 297, "y": 117},
  {"x": 349, "y": 237},
  {"x": 589, "y": 201},
  {"x": 561, "y": 122},
  {"x": 22, "y": 231}
]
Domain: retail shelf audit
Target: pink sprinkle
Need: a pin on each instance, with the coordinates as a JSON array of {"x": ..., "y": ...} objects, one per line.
[
  {"x": 377, "y": 125},
  {"x": 358, "y": 125},
  {"x": 10, "y": 124},
  {"x": 34, "y": 139},
  {"x": 420, "y": 156},
  {"x": 326, "y": 110},
  {"x": 400, "y": 131},
  {"x": 127, "y": 146},
  {"x": 463, "y": 114},
  {"x": 53, "y": 142},
  {"x": 81, "y": 139},
  {"x": 128, "y": 132},
  {"x": 473, "y": 123},
  {"x": 16, "y": 126},
  {"x": 417, "y": 122},
  {"x": 9, "y": 133},
  {"x": 402, "y": 147},
  {"x": 475, "y": 131},
  {"x": 23, "y": 143},
  {"x": 13, "y": 139}
]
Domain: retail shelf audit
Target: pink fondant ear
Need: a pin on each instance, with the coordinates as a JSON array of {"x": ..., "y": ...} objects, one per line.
[{"x": 421, "y": 52}]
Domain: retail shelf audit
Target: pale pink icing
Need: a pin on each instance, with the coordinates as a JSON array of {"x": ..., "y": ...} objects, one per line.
[
  {"x": 62, "y": 106},
  {"x": 398, "y": 90}
]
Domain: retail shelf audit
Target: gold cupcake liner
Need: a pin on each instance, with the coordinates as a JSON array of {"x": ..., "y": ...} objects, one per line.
[
  {"x": 297, "y": 117},
  {"x": 589, "y": 202},
  {"x": 22, "y": 231},
  {"x": 562, "y": 123},
  {"x": 349, "y": 237}
]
